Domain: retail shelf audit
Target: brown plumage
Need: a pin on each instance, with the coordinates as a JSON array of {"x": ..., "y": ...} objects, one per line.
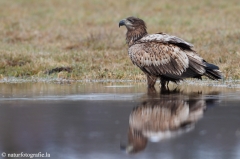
[{"x": 164, "y": 56}]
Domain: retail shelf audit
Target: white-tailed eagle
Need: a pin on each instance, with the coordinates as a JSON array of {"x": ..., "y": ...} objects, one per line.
[{"x": 164, "y": 56}]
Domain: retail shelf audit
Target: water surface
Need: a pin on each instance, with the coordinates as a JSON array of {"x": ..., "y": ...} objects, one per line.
[{"x": 119, "y": 120}]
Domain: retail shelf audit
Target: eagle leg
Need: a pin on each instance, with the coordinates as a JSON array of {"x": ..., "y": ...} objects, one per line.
[
  {"x": 151, "y": 91},
  {"x": 164, "y": 86},
  {"x": 164, "y": 83},
  {"x": 151, "y": 80}
]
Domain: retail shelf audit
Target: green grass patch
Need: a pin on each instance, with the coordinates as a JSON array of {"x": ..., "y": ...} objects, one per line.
[{"x": 37, "y": 36}]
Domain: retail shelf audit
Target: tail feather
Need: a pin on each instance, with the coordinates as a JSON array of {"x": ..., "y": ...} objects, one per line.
[{"x": 213, "y": 72}]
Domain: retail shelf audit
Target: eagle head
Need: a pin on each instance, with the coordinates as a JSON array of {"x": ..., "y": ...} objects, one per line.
[
  {"x": 132, "y": 23},
  {"x": 136, "y": 29}
]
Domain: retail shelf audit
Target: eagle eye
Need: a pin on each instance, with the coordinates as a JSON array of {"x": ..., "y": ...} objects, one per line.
[{"x": 131, "y": 20}]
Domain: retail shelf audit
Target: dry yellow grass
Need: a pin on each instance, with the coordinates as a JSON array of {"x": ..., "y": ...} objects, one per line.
[{"x": 37, "y": 36}]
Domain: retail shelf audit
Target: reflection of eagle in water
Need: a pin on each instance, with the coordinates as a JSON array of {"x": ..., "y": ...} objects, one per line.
[
  {"x": 160, "y": 119},
  {"x": 164, "y": 56}
]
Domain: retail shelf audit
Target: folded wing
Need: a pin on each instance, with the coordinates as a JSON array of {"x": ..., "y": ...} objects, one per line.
[{"x": 170, "y": 56}]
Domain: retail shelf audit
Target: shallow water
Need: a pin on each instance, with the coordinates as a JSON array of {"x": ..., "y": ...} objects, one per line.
[{"x": 119, "y": 120}]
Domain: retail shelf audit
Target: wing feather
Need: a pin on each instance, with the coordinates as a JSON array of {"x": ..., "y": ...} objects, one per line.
[
  {"x": 196, "y": 62},
  {"x": 163, "y": 54},
  {"x": 159, "y": 58},
  {"x": 168, "y": 39}
]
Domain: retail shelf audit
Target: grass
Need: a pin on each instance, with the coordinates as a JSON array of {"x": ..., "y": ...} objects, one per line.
[{"x": 38, "y": 36}]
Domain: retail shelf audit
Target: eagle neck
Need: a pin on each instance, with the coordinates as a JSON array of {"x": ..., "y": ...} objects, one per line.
[{"x": 134, "y": 35}]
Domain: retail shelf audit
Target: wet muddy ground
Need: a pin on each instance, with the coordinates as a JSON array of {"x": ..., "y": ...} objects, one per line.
[{"x": 119, "y": 120}]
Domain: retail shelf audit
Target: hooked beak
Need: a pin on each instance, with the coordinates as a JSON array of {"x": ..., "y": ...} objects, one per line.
[{"x": 122, "y": 22}]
